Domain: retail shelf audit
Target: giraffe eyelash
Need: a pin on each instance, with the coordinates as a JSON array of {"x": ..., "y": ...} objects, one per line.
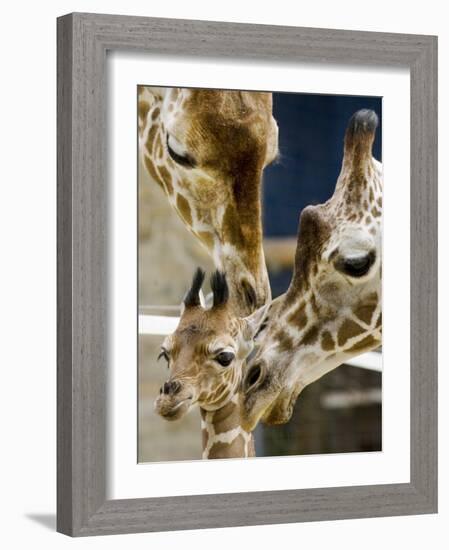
[
  {"x": 182, "y": 159},
  {"x": 164, "y": 354}
]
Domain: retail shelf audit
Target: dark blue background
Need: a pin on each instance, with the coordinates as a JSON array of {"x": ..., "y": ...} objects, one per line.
[{"x": 311, "y": 132}]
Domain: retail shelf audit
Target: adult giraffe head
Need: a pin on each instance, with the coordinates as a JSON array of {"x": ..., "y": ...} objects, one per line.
[
  {"x": 332, "y": 309},
  {"x": 205, "y": 357},
  {"x": 207, "y": 149}
]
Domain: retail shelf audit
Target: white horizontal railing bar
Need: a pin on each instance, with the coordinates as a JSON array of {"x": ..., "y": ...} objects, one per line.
[
  {"x": 170, "y": 311},
  {"x": 161, "y": 325},
  {"x": 371, "y": 360},
  {"x": 158, "y": 325},
  {"x": 345, "y": 399}
]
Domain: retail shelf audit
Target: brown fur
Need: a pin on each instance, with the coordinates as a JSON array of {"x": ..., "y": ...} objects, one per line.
[
  {"x": 153, "y": 171},
  {"x": 310, "y": 337},
  {"x": 184, "y": 209},
  {"x": 366, "y": 344},
  {"x": 284, "y": 341},
  {"x": 327, "y": 341},
  {"x": 365, "y": 310},
  {"x": 226, "y": 450},
  {"x": 299, "y": 316},
  {"x": 348, "y": 330},
  {"x": 166, "y": 178}
]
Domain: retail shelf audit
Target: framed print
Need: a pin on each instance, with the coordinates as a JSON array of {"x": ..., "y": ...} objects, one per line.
[
  {"x": 246, "y": 314},
  {"x": 307, "y": 123}
]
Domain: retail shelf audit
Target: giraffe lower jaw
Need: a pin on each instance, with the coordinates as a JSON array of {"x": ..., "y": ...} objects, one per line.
[
  {"x": 282, "y": 408},
  {"x": 276, "y": 415},
  {"x": 176, "y": 407}
]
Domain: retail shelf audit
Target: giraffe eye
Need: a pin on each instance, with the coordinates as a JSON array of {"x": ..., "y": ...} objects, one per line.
[
  {"x": 356, "y": 267},
  {"x": 225, "y": 358},
  {"x": 176, "y": 152}
]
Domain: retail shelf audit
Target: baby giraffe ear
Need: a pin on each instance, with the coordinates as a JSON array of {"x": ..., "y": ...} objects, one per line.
[{"x": 255, "y": 320}]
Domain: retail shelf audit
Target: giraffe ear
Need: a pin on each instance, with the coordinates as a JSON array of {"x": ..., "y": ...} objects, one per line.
[{"x": 255, "y": 320}]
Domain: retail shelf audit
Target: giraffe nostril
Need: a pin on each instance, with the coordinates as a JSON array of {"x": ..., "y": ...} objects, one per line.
[
  {"x": 253, "y": 376},
  {"x": 249, "y": 294},
  {"x": 171, "y": 387}
]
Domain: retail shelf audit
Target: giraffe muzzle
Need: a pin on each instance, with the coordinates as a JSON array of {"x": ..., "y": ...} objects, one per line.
[{"x": 174, "y": 400}]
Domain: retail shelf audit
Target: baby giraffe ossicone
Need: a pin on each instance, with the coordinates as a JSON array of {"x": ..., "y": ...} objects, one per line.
[{"x": 205, "y": 357}]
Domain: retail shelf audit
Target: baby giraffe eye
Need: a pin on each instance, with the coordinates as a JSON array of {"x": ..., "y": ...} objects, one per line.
[{"x": 225, "y": 358}]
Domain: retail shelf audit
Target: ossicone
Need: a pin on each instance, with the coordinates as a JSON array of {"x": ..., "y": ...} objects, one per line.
[
  {"x": 219, "y": 288},
  {"x": 192, "y": 298},
  {"x": 360, "y": 133}
]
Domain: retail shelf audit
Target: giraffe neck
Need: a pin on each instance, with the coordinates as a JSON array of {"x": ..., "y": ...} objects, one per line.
[
  {"x": 327, "y": 337},
  {"x": 222, "y": 434}
]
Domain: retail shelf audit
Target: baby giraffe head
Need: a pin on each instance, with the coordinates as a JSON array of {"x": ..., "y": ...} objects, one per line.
[
  {"x": 332, "y": 309},
  {"x": 206, "y": 353}
]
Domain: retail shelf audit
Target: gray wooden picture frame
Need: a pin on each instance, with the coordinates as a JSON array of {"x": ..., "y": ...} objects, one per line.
[{"x": 83, "y": 41}]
